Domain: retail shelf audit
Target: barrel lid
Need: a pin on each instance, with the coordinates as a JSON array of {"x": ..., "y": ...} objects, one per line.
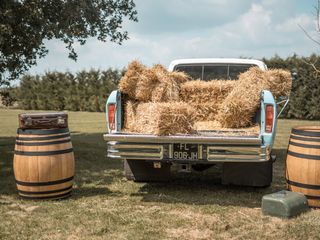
[{"x": 42, "y": 131}]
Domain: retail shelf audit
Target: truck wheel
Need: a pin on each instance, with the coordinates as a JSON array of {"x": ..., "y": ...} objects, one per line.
[
  {"x": 247, "y": 174},
  {"x": 144, "y": 171},
  {"x": 127, "y": 171}
]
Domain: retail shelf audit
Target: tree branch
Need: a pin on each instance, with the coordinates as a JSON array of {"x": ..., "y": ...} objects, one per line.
[{"x": 308, "y": 35}]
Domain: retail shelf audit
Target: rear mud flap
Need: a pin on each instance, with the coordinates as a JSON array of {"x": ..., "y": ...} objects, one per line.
[
  {"x": 247, "y": 174},
  {"x": 144, "y": 171}
]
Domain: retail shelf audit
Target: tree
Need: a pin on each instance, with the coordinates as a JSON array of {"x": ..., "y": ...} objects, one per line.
[
  {"x": 82, "y": 91},
  {"x": 25, "y": 24},
  {"x": 313, "y": 38}
]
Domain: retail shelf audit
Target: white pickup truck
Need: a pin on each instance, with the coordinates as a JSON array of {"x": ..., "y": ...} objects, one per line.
[{"x": 246, "y": 160}]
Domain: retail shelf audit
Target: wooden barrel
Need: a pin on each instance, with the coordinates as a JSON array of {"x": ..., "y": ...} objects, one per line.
[
  {"x": 43, "y": 163},
  {"x": 303, "y": 163}
]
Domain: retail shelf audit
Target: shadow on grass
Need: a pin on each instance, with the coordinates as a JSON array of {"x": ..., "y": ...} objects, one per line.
[
  {"x": 7, "y": 183},
  {"x": 200, "y": 189},
  {"x": 93, "y": 171},
  {"x": 83, "y": 192}
]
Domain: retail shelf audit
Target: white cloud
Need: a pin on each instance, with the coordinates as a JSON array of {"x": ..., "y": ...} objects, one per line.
[
  {"x": 256, "y": 22},
  {"x": 292, "y": 24},
  {"x": 257, "y": 29}
]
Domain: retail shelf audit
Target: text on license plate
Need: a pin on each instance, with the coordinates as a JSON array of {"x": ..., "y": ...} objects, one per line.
[{"x": 185, "y": 151}]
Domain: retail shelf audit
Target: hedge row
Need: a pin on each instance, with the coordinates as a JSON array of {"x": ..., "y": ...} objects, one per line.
[
  {"x": 83, "y": 91},
  {"x": 305, "y": 95}
]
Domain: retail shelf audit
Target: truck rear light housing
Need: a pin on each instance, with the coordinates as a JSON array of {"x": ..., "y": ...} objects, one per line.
[
  {"x": 112, "y": 116},
  {"x": 269, "y": 118}
]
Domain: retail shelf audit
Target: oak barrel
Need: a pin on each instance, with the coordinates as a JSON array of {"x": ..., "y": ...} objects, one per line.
[
  {"x": 303, "y": 163},
  {"x": 43, "y": 163}
]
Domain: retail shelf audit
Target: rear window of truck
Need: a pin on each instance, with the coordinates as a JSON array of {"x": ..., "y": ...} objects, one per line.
[{"x": 214, "y": 71}]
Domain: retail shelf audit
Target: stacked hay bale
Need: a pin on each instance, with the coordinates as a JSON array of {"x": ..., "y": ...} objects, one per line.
[
  {"x": 206, "y": 97},
  {"x": 129, "y": 81},
  {"x": 154, "y": 84},
  {"x": 164, "y": 103},
  {"x": 152, "y": 105},
  {"x": 279, "y": 82},
  {"x": 158, "y": 118},
  {"x": 202, "y": 91},
  {"x": 241, "y": 104}
]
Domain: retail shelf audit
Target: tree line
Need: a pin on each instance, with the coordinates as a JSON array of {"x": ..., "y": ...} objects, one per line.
[
  {"x": 88, "y": 90},
  {"x": 305, "y": 94},
  {"x": 82, "y": 91}
]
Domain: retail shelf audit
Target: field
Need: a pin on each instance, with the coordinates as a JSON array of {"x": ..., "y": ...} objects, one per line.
[{"x": 104, "y": 205}]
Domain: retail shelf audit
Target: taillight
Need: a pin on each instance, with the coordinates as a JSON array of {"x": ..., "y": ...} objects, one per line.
[
  {"x": 111, "y": 116},
  {"x": 269, "y": 118}
]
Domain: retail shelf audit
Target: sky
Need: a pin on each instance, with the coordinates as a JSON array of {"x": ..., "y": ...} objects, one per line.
[{"x": 173, "y": 29}]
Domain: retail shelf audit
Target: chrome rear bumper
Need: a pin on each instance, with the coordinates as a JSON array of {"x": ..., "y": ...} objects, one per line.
[
  {"x": 236, "y": 154},
  {"x": 135, "y": 151},
  {"x": 211, "y": 149}
]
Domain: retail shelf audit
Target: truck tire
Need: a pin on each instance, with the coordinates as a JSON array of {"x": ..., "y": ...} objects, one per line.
[
  {"x": 247, "y": 174},
  {"x": 143, "y": 171}
]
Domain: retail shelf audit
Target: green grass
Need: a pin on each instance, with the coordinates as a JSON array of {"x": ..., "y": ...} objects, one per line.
[{"x": 104, "y": 205}]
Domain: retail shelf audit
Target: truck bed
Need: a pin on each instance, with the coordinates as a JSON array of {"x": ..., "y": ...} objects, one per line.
[{"x": 213, "y": 129}]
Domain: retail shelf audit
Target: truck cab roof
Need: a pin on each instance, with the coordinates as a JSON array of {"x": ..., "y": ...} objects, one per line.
[{"x": 209, "y": 61}]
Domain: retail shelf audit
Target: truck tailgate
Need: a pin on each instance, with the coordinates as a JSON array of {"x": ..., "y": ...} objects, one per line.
[{"x": 197, "y": 139}]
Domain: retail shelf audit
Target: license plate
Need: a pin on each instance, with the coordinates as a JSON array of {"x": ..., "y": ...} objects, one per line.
[{"x": 185, "y": 151}]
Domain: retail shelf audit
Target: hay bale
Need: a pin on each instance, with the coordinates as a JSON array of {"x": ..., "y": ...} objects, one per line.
[
  {"x": 205, "y": 111},
  {"x": 237, "y": 112},
  {"x": 198, "y": 91},
  {"x": 279, "y": 82},
  {"x": 239, "y": 107},
  {"x": 232, "y": 103},
  {"x": 167, "y": 88},
  {"x": 241, "y": 104},
  {"x": 129, "y": 81},
  {"x": 179, "y": 77},
  {"x": 151, "y": 84},
  {"x": 158, "y": 118},
  {"x": 129, "y": 113},
  {"x": 146, "y": 83},
  {"x": 206, "y": 97}
]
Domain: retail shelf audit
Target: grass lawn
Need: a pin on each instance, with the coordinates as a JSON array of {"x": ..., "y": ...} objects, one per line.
[{"x": 104, "y": 205}]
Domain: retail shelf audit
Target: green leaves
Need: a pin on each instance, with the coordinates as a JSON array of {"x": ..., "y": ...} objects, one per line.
[
  {"x": 83, "y": 91},
  {"x": 24, "y": 25},
  {"x": 305, "y": 94}
]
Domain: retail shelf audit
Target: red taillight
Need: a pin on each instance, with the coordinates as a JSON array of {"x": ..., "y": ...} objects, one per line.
[
  {"x": 111, "y": 116},
  {"x": 269, "y": 118}
]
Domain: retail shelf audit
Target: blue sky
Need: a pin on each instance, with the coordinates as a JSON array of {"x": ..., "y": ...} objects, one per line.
[{"x": 171, "y": 29}]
